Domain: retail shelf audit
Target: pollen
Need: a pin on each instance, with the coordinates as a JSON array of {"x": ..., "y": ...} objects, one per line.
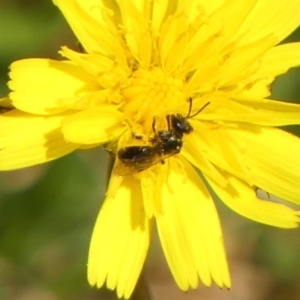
[{"x": 151, "y": 93}]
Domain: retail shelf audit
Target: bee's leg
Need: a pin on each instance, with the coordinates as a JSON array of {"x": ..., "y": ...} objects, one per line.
[
  {"x": 133, "y": 134},
  {"x": 169, "y": 122},
  {"x": 136, "y": 136},
  {"x": 153, "y": 125}
]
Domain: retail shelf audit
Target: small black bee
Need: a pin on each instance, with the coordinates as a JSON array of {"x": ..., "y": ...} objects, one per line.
[{"x": 164, "y": 144}]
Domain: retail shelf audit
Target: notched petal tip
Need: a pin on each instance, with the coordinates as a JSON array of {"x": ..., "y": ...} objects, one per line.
[
  {"x": 242, "y": 198},
  {"x": 120, "y": 240},
  {"x": 49, "y": 80},
  {"x": 27, "y": 140},
  {"x": 190, "y": 231}
]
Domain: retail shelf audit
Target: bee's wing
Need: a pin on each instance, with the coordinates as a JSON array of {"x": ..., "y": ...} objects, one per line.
[
  {"x": 124, "y": 169},
  {"x": 111, "y": 147}
]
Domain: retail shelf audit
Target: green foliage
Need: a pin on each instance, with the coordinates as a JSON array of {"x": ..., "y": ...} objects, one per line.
[{"x": 45, "y": 230}]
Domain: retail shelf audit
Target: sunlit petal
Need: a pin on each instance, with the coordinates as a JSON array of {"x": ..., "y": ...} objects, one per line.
[
  {"x": 120, "y": 240},
  {"x": 138, "y": 34},
  {"x": 190, "y": 231},
  {"x": 252, "y": 110},
  {"x": 95, "y": 126},
  {"x": 278, "y": 60},
  {"x": 216, "y": 144},
  {"x": 27, "y": 140},
  {"x": 87, "y": 20},
  {"x": 241, "y": 198},
  {"x": 269, "y": 156},
  {"x": 279, "y": 17},
  {"x": 40, "y": 85}
]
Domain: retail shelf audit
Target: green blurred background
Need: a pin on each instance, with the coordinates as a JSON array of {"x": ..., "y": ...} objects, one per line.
[{"x": 47, "y": 212}]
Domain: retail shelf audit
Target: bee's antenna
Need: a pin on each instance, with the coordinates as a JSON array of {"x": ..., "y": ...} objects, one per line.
[
  {"x": 190, "y": 108},
  {"x": 199, "y": 111}
]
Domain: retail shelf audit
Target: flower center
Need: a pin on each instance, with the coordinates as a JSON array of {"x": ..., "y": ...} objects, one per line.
[{"x": 151, "y": 94}]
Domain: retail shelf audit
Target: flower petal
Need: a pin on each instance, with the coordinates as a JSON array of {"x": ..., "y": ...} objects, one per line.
[
  {"x": 40, "y": 85},
  {"x": 269, "y": 16},
  {"x": 217, "y": 146},
  {"x": 264, "y": 157},
  {"x": 95, "y": 126},
  {"x": 255, "y": 111},
  {"x": 274, "y": 62},
  {"x": 87, "y": 20},
  {"x": 272, "y": 112},
  {"x": 173, "y": 49},
  {"x": 120, "y": 240},
  {"x": 278, "y": 60},
  {"x": 203, "y": 164},
  {"x": 259, "y": 89},
  {"x": 232, "y": 15},
  {"x": 241, "y": 198},
  {"x": 106, "y": 71},
  {"x": 209, "y": 6},
  {"x": 272, "y": 158},
  {"x": 159, "y": 12},
  {"x": 138, "y": 33},
  {"x": 231, "y": 68},
  {"x": 152, "y": 181},
  {"x": 27, "y": 140},
  {"x": 241, "y": 59},
  {"x": 189, "y": 230},
  {"x": 93, "y": 63}
]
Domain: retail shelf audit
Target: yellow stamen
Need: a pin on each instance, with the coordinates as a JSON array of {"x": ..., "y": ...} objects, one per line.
[{"x": 151, "y": 93}]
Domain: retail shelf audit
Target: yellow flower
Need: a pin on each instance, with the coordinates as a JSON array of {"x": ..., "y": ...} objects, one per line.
[{"x": 144, "y": 60}]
